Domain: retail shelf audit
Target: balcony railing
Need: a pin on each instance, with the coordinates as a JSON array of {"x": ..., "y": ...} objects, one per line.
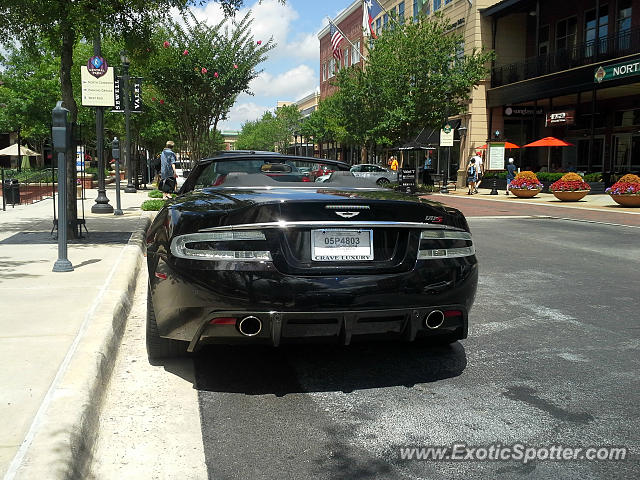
[{"x": 594, "y": 51}]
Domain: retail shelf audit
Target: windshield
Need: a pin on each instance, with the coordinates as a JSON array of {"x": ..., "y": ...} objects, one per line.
[{"x": 262, "y": 171}]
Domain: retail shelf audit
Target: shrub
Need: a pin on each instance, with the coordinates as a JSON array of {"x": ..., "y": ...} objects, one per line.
[
  {"x": 528, "y": 175},
  {"x": 155, "y": 194},
  {"x": 629, "y": 184},
  {"x": 549, "y": 176},
  {"x": 152, "y": 205},
  {"x": 593, "y": 177}
]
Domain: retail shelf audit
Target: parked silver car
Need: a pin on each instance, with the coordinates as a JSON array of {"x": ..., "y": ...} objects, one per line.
[{"x": 380, "y": 174}]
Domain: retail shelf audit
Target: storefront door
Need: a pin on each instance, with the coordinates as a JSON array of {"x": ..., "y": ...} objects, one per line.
[{"x": 581, "y": 160}]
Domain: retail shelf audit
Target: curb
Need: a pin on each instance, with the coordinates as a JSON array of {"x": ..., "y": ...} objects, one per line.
[{"x": 61, "y": 447}]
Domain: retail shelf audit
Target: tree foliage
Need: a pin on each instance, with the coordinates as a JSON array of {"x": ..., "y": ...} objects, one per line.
[
  {"x": 199, "y": 70},
  {"x": 273, "y": 130},
  {"x": 414, "y": 77}
]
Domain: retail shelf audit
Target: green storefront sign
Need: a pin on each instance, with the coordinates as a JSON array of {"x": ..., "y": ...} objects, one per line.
[{"x": 616, "y": 71}]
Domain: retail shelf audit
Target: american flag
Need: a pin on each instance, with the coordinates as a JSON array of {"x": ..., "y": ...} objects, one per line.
[{"x": 336, "y": 40}]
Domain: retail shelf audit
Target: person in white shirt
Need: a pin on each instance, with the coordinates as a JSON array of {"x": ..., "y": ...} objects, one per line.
[{"x": 479, "y": 168}]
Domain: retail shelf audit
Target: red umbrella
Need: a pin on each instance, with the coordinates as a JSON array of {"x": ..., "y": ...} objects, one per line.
[
  {"x": 506, "y": 145},
  {"x": 549, "y": 142}
]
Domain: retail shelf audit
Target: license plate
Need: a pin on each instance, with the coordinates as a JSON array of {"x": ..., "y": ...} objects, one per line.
[{"x": 331, "y": 245}]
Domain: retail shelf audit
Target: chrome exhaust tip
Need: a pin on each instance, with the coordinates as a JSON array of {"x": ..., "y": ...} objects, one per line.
[
  {"x": 250, "y": 326},
  {"x": 434, "y": 320}
]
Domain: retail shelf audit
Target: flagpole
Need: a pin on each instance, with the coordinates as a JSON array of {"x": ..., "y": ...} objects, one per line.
[{"x": 346, "y": 38}]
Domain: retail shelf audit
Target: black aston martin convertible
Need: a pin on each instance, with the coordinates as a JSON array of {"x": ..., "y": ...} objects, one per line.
[{"x": 252, "y": 250}]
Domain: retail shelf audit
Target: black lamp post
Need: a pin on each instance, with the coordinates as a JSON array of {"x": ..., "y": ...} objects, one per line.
[
  {"x": 130, "y": 188},
  {"x": 102, "y": 202}
]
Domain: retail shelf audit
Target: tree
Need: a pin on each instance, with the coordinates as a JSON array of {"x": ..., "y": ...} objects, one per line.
[
  {"x": 29, "y": 92},
  {"x": 199, "y": 70},
  {"x": 258, "y": 134},
  {"x": 63, "y": 23},
  {"x": 415, "y": 77}
]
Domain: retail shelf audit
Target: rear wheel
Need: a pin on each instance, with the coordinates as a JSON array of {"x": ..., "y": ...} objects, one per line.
[
  {"x": 383, "y": 181},
  {"x": 158, "y": 347}
]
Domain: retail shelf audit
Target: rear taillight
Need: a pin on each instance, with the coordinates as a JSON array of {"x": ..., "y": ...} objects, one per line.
[
  {"x": 223, "y": 321},
  {"x": 445, "y": 244},
  {"x": 215, "y": 246}
]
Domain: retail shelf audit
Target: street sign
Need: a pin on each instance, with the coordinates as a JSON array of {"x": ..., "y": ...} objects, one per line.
[
  {"x": 617, "y": 70},
  {"x": 446, "y": 136},
  {"x": 407, "y": 177},
  {"x": 135, "y": 99},
  {"x": 97, "y": 91}
]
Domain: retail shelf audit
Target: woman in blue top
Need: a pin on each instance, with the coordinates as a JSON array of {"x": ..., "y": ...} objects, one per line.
[{"x": 472, "y": 176}]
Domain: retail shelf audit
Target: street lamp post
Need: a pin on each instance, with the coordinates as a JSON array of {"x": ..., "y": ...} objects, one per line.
[
  {"x": 102, "y": 202},
  {"x": 130, "y": 188}
]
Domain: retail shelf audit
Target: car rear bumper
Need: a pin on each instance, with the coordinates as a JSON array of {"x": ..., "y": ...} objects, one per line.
[{"x": 207, "y": 307}]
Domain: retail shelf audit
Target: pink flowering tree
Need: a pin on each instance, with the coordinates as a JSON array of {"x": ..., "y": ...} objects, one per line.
[{"x": 199, "y": 70}]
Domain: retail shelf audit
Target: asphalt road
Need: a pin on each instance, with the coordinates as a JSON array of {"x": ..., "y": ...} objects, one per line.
[{"x": 551, "y": 358}]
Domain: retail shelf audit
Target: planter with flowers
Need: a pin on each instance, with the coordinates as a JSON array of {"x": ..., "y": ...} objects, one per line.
[
  {"x": 626, "y": 191},
  {"x": 570, "y": 188},
  {"x": 525, "y": 185}
]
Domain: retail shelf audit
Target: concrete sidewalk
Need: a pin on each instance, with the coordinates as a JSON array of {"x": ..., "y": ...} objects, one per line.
[
  {"x": 59, "y": 331},
  {"x": 602, "y": 202}
]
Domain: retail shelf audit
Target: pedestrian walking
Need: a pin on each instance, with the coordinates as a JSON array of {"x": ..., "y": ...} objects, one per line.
[
  {"x": 511, "y": 173},
  {"x": 472, "y": 176},
  {"x": 168, "y": 171},
  {"x": 480, "y": 169}
]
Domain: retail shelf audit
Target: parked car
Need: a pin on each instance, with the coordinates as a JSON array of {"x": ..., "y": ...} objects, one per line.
[
  {"x": 244, "y": 257},
  {"x": 380, "y": 174}
]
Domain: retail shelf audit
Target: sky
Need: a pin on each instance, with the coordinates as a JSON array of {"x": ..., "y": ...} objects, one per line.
[{"x": 291, "y": 70}]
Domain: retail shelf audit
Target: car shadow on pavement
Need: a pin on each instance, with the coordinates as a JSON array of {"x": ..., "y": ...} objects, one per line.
[{"x": 323, "y": 368}]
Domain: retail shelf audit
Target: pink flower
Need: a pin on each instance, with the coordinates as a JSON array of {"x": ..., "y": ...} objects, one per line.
[
  {"x": 259, "y": 42},
  {"x": 204, "y": 70},
  {"x": 215, "y": 74},
  {"x": 165, "y": 44},
  {"x": 153, "y": 99},
  {"x": 161, "y": 102},
  {"x": 186, "y": 52},
  {"x": 235, "y": 66}
]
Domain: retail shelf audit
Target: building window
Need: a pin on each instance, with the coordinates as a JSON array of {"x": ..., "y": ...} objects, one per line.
[
  {"x": 599, "y": 45},
  {"x": 543, "y": 40},
  {"x": 436, "y": 5},
  {"x": 460, "y": 51},
  {"x": 332, "y": 67},
  {"x": 623, "y": 24},
  {"x": 386, "y": 21},
  {"x": 401, "y": 13},
  {"x": 416, "y": 10},
  {"x": 346, "y": 57},
  {"x": 447, "y": 2},
  {"x": 355, "y": 53},
  {"x": 566, "y": 32},
  {"x": 378, "y": 24}
]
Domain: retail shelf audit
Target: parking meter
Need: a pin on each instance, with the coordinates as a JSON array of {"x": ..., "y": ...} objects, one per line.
[
  {"x": 60, "y": 132},
  {"x": 115, "y": 153},
  {"x": 61, "y": 137}
]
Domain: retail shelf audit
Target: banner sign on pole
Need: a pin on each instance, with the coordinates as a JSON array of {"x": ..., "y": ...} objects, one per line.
[
  {"x": 135, "y": 99},
  {"x": 496, "y": 156}
]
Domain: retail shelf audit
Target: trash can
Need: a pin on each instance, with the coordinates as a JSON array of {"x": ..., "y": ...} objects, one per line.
[{"x": 11, "y": 191}]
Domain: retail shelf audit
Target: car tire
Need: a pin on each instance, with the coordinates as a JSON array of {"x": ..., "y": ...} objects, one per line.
[
  {"x": 383, "y": 181},
  {"x": 158, "y": 347}
]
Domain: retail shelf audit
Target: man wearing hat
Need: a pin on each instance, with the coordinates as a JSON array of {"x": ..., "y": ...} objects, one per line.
[{"x": 168, "y": 171}]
